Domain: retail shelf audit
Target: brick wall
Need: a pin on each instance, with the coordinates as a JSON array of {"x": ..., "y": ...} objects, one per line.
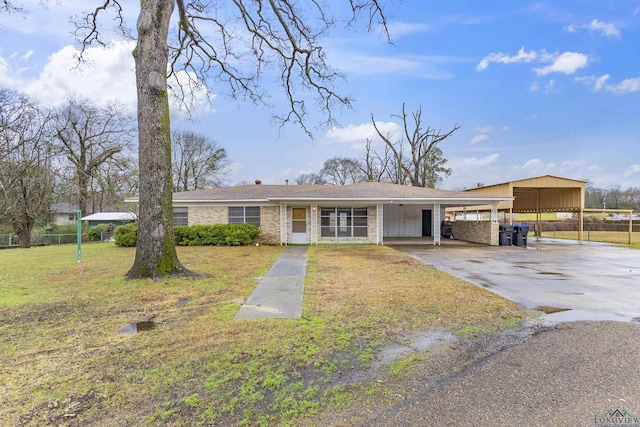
[
  {"x": 269, "y": 220},
  {"x": 270, "y": 225},
  {"x": 479, "y": 232},
  {"x": 207, "y": 215}
]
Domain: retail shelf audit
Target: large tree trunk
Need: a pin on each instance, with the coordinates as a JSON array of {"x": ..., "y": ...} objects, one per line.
[
  {"x": 155, "y": 250},
  {"x": 24, "y": 234}
]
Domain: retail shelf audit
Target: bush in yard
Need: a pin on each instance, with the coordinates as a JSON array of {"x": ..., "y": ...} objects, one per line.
[
  {"x": 126, "y": 235},
  {"x": 216, "y": 235},
  {"x": 197, "y": 235},
  {"x": 96, "y": 231}
]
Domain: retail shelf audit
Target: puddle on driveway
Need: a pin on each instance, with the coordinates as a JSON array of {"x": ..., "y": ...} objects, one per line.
[
  {"x": 133, "y": 328},
  {"x": 550, "y": 310}
]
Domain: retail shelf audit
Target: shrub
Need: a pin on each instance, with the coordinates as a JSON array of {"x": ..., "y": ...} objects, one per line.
[
  {"x": 216, "y": 235},
  {"x": 126, "y": 235},
  {"x": 197, "y": 235},
  {"x": 95, "y": 232}
]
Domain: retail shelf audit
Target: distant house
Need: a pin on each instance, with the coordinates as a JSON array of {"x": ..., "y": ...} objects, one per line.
[
  {"x": 115, "y": 218},
  {"x": 366, "y": 212},
  {"x": 64, "y": 213}
]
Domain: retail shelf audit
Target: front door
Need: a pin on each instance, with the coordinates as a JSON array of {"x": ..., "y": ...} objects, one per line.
[
  {"x": 426, "y": 223},
  {"x": 299, "y": 225}
]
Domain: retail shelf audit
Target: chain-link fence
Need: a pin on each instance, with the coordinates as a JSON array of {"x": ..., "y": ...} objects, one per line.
[
  {"x": 613, "y": 231},
  {"x": 40, "y": 239}
]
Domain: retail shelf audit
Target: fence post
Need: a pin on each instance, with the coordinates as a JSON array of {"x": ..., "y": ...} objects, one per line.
[
  {"x": 10, "y": 243},
  {"x": 79, "y": 238}
]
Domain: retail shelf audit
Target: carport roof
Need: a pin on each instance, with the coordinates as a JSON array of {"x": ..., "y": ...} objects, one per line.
[{"x": 545, "y": 193}]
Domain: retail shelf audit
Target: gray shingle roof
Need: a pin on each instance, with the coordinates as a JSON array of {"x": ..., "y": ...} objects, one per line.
[{"x": 359, "y": 191}]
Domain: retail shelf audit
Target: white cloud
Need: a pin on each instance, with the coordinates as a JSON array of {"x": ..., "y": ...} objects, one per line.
[
  {"x": 567, "y": 63},
  {"x": 535, "y": 165},
  {"x": 108, "y": 75},
  {"x": 548, "y": 88},
  {"x": 632, "y": 170},
  {"x": 479, "y": 138},
  {"x": 483, "y": 129},
  {"x": 398, "y": 29},
  {"x": 600, "y": 84},
  {"x": 471, "y": 162},
  {"x": 358, "y": 64},
  {"x": 521, "y": 56},
  {"x": 604, "y": 28},
  {"x": 626, "y": 86},
  {"x": 358, "y": 134}
]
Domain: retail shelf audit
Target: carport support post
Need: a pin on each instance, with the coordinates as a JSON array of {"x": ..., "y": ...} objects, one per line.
[{"x": 581, "y": 226}]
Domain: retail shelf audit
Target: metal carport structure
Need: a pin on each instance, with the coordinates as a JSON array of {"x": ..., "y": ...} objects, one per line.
[{"x": 540, "y": 194}]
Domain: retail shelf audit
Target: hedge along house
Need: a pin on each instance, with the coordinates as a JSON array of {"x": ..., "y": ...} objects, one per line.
[{"x": 367, "y": 212}]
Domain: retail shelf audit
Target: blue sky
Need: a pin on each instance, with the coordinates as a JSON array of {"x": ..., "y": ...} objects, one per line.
[{"x": 540, "y": 87}]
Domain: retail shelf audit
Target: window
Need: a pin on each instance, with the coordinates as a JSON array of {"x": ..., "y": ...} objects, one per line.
[
  {"x": 343, "y": 222},
  {"x": 180, "y": 216},
  {"x": 73, "y": 217},
  {"x": 244, "y": 215}
]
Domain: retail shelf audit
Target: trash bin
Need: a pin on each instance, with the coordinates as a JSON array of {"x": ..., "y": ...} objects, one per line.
[
  {"x": 505, "y": 235},
  {"x": 520, "y": 234}
]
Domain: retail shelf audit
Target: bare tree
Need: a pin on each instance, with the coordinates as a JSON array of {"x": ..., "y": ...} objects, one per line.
[
  {"x": 284, "y": 34},
  {"x": 310, "y": 179},
  {"x": 342, "y": 170},
  {"x": 420, "y": 161},
  {"x": 198, "y": 161},
  {"x": 15, "y": 111},
  {"x": 87, "y": 137},
  {"x": 26, "y": 179},
  {"x": 112, "y": 181},
  {"x": 374, "y": 165}
]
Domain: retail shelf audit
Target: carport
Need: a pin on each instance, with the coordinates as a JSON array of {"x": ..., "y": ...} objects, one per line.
[{"x": 537, "y": 195}]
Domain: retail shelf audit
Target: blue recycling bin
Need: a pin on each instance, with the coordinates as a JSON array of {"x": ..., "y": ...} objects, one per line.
[{"x": 520, "y": 232}]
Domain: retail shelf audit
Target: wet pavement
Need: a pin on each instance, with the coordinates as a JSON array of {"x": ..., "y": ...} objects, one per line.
[{"x": 593, "y": 281}]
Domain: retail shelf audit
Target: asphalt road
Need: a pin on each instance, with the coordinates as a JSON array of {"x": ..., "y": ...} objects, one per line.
[{"x": 572, "y": 374}]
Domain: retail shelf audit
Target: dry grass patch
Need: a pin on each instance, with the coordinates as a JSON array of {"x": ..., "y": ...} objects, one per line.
[
  {"x": 64, "y": 361},
  {"x": 387, "y": 291}
]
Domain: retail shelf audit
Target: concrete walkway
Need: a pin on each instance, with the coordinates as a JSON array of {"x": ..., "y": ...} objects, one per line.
[{"x": 279, "y": 294}]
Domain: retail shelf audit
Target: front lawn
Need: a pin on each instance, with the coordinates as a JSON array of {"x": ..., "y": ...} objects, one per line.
[{"x": 65, "y": 360}]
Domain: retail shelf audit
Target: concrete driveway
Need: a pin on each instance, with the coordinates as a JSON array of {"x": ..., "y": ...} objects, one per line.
[{"x": 592, "y": 281}]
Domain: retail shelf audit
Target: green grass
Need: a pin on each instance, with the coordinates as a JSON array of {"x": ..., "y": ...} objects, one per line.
[{"x": 62, "y": 350}]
